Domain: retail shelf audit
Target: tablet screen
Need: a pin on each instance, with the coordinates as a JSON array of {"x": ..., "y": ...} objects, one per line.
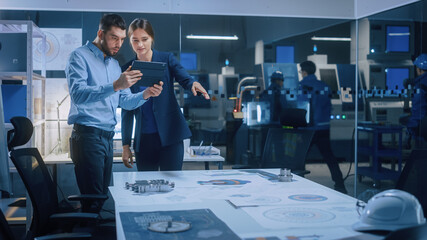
[{"x": 152, "y": 72}]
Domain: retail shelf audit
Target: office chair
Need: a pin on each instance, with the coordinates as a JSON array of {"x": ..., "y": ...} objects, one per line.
[
  {"x": 7, "y": 234},
  {"x": 413, "y": 176},
  {"x": 287, "y": 148},
  {"x": 5, "y": 231},
  {"x": 47, "y": 215}
]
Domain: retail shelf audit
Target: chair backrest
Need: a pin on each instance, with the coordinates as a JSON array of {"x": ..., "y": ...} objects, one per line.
[
  {"x": 39, "y": 185},
  {"x": 413, "y": 177},
  {"x": 5, "y": 232},
  {"x": 286, "y": 148},
  {"x": 21, "y": 134}
]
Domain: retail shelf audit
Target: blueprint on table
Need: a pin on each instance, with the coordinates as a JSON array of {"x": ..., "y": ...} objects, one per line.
[{"x": 204, "y": 225}]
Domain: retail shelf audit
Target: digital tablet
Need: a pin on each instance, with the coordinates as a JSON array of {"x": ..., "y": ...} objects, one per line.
[{"x": 152, "y": 72}]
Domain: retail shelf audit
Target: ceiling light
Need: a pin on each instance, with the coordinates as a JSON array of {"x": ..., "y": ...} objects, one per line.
[
  {"x": 212, "y": 37},
  {"x": 399, "y": 34},
  {"x": 314, "y": 38}
]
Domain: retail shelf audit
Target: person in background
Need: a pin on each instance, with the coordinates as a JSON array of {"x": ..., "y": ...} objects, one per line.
[
  {"x": 97, "y": 87},
  {"x": 419, "y": 99},
  {"x": 160, "y": 125},
  {"x": 273, "y": 95},
  {"x": 320, "y": 112}
]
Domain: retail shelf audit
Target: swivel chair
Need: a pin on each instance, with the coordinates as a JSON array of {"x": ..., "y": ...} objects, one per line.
[
  {"x": 7, "y": 234},
  {"x": 287, "y": 148},
  {"x": 47, "y": 214}
]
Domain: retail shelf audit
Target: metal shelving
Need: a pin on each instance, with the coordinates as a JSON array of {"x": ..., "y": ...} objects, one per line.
[{"x": 17, "y": 69}]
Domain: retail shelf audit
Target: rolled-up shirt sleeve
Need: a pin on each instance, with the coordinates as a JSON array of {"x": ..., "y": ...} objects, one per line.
[{"x": 80, "y": 90}]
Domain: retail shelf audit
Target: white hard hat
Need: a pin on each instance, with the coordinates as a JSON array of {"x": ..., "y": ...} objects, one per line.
[{"x": 390, "y": 210}]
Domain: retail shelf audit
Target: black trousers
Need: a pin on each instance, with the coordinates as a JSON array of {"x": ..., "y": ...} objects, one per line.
[
  {"x": 92, "y": 154},
  {"x": 321, "y": 138},
  {"x": 153, "y": 156}
]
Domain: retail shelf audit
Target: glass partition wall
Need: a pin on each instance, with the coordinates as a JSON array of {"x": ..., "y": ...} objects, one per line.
[
  {"x": 247, "y": 107},
  {"x": 389, "y": 95},
  {"x": 251, "y": 68}
]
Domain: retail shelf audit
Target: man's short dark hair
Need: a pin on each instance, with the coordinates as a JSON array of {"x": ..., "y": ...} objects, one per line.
[
  {"x": 308, "y": 66},
  {"x": 111, "y": 20}
]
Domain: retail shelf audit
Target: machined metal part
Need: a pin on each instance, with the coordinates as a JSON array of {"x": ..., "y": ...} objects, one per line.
[
  {"x": 285, "y": 175},
  {"x": 157, "y": 185}
]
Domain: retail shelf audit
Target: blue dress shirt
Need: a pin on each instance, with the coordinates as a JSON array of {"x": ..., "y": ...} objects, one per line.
[{"x": 90, "y": 79}]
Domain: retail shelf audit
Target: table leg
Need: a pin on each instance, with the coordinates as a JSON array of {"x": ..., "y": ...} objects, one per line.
[
  {"x": 206, "y": 165},
  {"x": 220, "y": 165}
]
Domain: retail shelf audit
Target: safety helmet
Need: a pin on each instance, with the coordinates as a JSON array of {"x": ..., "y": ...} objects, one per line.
[
  {"x": 390, "y": 210},
  {"x": 421, "y": 61},
  {"x": 277, "y": 75}
]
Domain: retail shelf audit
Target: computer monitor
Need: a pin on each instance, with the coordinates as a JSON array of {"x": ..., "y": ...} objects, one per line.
[
  {"x": 189, "y": 61},
  {"x": 285, "y": 54},
  {"x": 395, "y": 78},
  {"x": 231, "y": 83},
  {"x": 397, "y": 39},
  {"x": 329, "y": 76}
]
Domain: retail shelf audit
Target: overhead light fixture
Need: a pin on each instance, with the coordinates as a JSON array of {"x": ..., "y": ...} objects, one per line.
[
  {"x": 399, "y": 34},
  {"x": 209, "y": 37},
  {"x": 343, "y": 39}
]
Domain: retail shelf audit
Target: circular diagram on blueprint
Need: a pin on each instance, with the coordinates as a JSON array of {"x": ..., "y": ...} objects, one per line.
[
  {"x": 299, "y": 215},
  {"x": 308, "y": 198},
  {"x": 223, "y": 182},
  {"x": 52, "y": 48}
]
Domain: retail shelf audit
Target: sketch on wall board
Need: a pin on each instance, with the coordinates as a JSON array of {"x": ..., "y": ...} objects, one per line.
[{"x": 60, "y": 42}]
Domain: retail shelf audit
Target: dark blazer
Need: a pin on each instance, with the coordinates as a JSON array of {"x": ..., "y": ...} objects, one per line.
[{"x": 171, "y": 123}]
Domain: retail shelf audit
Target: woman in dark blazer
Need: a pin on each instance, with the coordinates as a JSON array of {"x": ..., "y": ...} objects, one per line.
[{"x": 160, "y": 126}]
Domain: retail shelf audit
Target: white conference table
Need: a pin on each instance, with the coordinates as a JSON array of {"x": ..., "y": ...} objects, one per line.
[{"x": 234, "y": 204}]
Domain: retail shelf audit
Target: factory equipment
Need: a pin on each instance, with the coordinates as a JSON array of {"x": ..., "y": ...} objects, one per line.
[
  {"x": 385, "y": 50},
  {"x": 340, "y": 79}
]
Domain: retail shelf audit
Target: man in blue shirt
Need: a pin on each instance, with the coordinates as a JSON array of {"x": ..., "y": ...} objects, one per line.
[
  {"x": 97, "y": 87},
  {"x": 320, "y": 112}
]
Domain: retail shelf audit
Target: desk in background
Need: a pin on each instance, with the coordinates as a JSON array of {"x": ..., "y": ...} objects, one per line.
[
  {"x": 376, "y": 151},
  {"x": 233, "y": 204},
  {"x": 212, "y": 155},
  {"x": 55, "y": 160}
]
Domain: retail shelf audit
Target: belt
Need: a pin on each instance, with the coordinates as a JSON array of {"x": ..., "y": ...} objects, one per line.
[{"x": 85, "y": 129}]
